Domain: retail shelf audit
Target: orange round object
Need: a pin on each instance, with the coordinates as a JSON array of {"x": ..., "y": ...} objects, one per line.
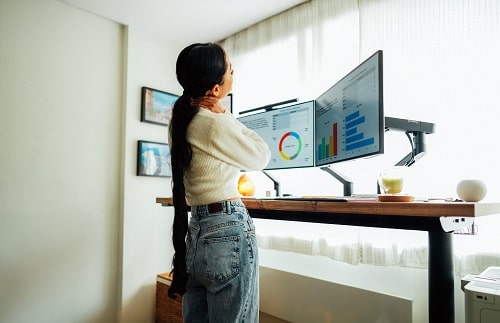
[{"x": 246, "y": 186}]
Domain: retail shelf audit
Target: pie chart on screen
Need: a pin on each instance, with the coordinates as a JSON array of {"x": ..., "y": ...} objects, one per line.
[{"x": 290, "y": 145}]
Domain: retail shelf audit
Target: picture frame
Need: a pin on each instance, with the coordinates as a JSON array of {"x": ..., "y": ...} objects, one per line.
[
  {"x": 156, "y": 106},
  {"x": 153, "y": 159},
  {"x": 227, "y": 102}
]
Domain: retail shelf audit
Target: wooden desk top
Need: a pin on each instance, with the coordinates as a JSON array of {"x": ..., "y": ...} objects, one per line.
[{"x": 368, "y": 206}]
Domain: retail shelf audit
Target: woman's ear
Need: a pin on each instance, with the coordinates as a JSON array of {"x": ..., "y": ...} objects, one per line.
[{"x": 214, "y": 91}]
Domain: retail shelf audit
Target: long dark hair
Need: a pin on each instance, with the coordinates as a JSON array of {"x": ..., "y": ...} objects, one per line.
[{"x": 199, "y": 67}]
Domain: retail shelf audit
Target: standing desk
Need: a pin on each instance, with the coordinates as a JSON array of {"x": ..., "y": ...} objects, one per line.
[{"x": 439, "y": 219}]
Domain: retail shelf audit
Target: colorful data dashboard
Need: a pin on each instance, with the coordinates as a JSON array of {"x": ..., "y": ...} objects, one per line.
[{"x": 289, "y": 133}]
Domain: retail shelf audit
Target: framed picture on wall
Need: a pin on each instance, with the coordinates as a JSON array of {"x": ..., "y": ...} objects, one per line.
[
  {"x": 156, "y": 106},
  {"x": 153, "y": 159},
  {"x": 227, "y": 102}
]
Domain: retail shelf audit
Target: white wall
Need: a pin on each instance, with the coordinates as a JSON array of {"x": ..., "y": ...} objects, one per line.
[
  {"x": 296, "y": 297},
  {"x": 147, "y": 226},
  {"x": 60, "y": 90},
  {"x": 81, "y": 237},
  {"x": 403, "y": 283}
]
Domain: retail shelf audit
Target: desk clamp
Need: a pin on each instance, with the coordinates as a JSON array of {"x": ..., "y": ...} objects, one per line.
[{"x": 455, "y": 223}]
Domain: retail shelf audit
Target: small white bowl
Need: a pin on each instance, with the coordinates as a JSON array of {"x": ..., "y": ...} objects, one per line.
[{"x": 471, "y": 190}]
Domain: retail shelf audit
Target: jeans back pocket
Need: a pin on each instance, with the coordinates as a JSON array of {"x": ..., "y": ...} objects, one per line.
[{"x": 222, "y": 258}]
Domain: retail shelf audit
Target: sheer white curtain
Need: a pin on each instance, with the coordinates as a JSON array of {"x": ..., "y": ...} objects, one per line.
[
  {"x": 441, "y": 65},
  {"x": 294, "y": 54}
]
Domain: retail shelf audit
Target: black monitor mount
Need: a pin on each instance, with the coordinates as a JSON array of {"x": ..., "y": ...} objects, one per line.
[
  {"x": 415, "y": 131},
  {"x": 275, "y": 181}
]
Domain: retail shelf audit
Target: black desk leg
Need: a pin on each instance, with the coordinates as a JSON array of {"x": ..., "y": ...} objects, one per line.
[{"x": 441, "y": 284}]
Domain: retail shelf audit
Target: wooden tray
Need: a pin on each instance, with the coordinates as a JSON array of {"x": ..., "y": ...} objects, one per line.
[{"x": 395, "y": 198}]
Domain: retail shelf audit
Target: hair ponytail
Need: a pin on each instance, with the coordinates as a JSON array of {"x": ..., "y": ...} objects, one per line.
[
  {"x": 181, "y": 155},
  {"x": 198, "y": 68}
]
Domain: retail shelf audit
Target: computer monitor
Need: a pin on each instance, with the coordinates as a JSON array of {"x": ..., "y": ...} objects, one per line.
[
  {"x": 289, "y": 132},
  {"x": 349, "y": 116}
]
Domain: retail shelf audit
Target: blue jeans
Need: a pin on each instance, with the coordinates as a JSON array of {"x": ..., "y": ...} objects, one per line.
[{"x": 222, "y": 262}]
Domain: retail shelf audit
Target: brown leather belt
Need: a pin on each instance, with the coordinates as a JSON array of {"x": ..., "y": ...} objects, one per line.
[{"x": 216, "y": 207}]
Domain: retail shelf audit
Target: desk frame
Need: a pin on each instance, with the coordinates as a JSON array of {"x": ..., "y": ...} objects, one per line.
[{"x": 420, "y": 216}]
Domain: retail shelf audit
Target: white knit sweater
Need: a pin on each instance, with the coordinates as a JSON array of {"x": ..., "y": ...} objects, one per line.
[{"x": 222, "y": 146}]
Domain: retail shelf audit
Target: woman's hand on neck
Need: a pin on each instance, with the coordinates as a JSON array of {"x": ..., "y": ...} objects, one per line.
[{"x": 208, "y": 102}]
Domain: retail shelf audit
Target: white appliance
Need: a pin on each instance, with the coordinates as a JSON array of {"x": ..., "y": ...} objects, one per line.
[{"x": 482, "y": 296}]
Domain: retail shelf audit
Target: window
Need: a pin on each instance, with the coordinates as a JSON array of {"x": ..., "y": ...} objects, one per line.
[{"x": 440, "y": 65}]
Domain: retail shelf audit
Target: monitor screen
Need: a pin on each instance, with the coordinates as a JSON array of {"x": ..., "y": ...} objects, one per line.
[
  {"x": 349, "y": 116},
  {"x": 289, "y": 132}
]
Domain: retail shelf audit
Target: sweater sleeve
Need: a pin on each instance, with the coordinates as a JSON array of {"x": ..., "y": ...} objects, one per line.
[{"x": 234, "y": 143}]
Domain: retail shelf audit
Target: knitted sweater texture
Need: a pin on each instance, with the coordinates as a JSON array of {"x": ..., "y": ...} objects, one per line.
[{"x": 222, "y": 146}]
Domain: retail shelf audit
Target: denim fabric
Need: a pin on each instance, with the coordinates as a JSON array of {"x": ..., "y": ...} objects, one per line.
[{"x": 222, "y": 262}]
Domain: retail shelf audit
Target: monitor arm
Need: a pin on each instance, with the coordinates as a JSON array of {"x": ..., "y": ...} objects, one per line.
[
  {"x": 415, "y": 131},
  {"x": 346, "y": 182},
  {"x": 275, "y": 181},
  {"x": 417, "y": 142}
]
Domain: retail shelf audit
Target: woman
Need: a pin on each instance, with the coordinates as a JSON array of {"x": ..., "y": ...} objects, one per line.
[{"x": 216, "y": 267}]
